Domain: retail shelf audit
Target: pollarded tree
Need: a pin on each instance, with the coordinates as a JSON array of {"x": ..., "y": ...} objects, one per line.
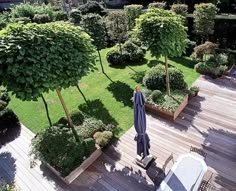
[
  {"x": 204, "y": 19},
  {"x": 95, "y": 27},
  {"x": 36, "y": 58},
  {"x": 163, "y": 33},
  {"x": 117, "y": 26}
]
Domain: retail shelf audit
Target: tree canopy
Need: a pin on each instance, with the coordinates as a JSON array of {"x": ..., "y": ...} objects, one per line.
[
  {"x": 162, "y": 32},
  {"x": 36, "y": 58},
  {"x": 95, "y": 27}
]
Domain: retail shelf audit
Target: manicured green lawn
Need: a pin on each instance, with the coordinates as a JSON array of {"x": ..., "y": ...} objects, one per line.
[{"x": 108, "y": 99}]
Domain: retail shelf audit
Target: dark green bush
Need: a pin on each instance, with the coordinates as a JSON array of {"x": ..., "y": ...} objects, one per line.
[
  {"x": 8, "y": 119},
  {"x": 60, "y": 16},
  {"x": 155, "y": 78},
  {"x": 132, "y": 12},
  {"x": 156, "y": 95},
  {"x": 115, "y": 58},
  {"x": 159, "y": 5},
  {"x": 92, "y": 7},
  {"x": 134, "y": 52},
  {"x": 58, "y": 147},
  {"x": 181, "y": 9},
  {"x": 75, "y": 16},
  {"x": 103, "y": 138},
  {"x": 44, "y": 18},
  {"x": 190, "y": 47},
  {"x": 89, "y": 145}
]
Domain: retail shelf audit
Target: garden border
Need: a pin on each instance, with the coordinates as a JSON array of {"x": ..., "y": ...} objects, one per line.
[
  {"x": 170, "y": 115},
  {"x": 79, "y": 170}
]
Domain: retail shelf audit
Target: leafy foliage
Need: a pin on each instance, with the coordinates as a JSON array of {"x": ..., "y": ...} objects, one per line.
[
  {"x": 4, "y": 19},
  {"x": 115, "y": 58},
  {"x": 117, "y": 25},
  {"x": 204, "y": 19},
  {"x": 44, "y": 18},
  {"x": 22, "y": 20},
  {"x": 165, "y": 102},
  {"x": 8, "y": 119},
  {"x": 214, "y": 66},
  {"x": 60, "y": 16},
  {"x": 4, "y": 99},
  {"x": 181, "y": 9},
  {"x": 75, "y": 16},
  {"x": 103, "y": 138},
  {"x": 203, "y": 49},
  {"x": 155, "y": 78},
  {"x": 132, "y": 12},
  {"x": 45, "y": 146},
  {"x": 92, "y": 7},
  {"x": 162, "y": 32},
  {"x": 35, "y": 58},
  {"x": 29, "y": 10},
  {"x": 159, "y": 5},
  {"x": 95, "y": 27}
]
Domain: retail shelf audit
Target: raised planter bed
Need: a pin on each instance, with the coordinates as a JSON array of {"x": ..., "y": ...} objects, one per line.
[
  {"x": 79, "y": 170},
  {"x": 155, "y": 110}
]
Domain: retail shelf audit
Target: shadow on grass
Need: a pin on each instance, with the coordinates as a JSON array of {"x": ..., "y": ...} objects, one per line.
[
  {"x": 95, "y": 108},
  {"x": 153, "y": 63},
  {"x": 138, "y": 76},
  {"x": 187, "y": 62},
  {"x": 121, "y": 92}
]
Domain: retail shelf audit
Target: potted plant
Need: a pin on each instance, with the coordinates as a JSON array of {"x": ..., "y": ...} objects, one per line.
[{"x": 192, "y": 92}]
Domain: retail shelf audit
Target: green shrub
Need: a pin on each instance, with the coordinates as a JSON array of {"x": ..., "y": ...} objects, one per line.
[
  {"x": 4, "y": 99},
  {"x": 92, "y": 7},
  {"x": 60, "y": 16},
  {"x": 8, "y": 119},
  {"x": 222, "y": 59},
  {"x": 155, "y": 78},
  {"x": 193, "y": 91},
  {"x": 190, "y": 47},
  {"x": 89, "y": 127},
  {"x": 181, "y": 9},
  {"x": 103, "y": 138},
  {"x": 115, "y": 58},
  {"x": 75, "y": 16},
  {"x": 23, "y": 20},
  {"x": 89, "y": 145},
  {"x": 159, "y": 5},
  {"x": 30, "y": 10},
  {"x": 58, "y": 147},
  {"x": 44, "y": 18},
  {"x": 4, "y": 19},
  {"x": 134, "y": 52},
  {"x": 156, "y": 96},
  {"x": 132, "y": 12}
]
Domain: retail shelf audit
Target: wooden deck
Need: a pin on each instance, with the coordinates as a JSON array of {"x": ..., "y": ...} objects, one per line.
[{"x": 208, "y": 122}]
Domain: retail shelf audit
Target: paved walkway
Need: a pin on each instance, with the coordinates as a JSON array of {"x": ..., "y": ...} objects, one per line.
[{"x": 208, "y": 122}]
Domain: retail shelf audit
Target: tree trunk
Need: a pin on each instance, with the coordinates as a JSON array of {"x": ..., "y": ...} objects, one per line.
[
  {"x": 100, "y": 59},
  {"x": 167, "y": 78},
  {"x": 68, "y": 116},
  {"x": 81, "y": 93},
  {"x": 47, "y": 112}
]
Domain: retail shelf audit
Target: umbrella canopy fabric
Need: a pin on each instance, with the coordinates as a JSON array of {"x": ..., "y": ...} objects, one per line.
[{"x": 143, "y": 141}]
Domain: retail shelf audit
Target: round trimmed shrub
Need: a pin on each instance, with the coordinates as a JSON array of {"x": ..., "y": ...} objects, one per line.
[
  {"x": 8, "y": 119},
  {"x": 44, "y": 18},
  {"x": 134, "y": 52},
  {"x": 159, "y": 5},
  {"x": 75, "y": 16},
  {"x": 181, "y": 9},
  {"x": 92, "y": 7},
  {"x": 4, "y": 99},
  {"x": 60, "y": 16},
  {"x": 103, "y": 138},
  {"x": 155, "y": 78},
  {"x": 156, "y": 95},
  {"x": 115, "y": 58}
]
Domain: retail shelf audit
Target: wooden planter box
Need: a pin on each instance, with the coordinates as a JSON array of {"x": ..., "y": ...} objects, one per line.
[
  {"x": 155, "y": 110},
  {"x": 79, "y": 170}
]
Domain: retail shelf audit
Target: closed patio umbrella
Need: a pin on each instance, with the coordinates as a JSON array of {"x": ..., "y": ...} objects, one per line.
[{"x": 142, "y": 139}]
